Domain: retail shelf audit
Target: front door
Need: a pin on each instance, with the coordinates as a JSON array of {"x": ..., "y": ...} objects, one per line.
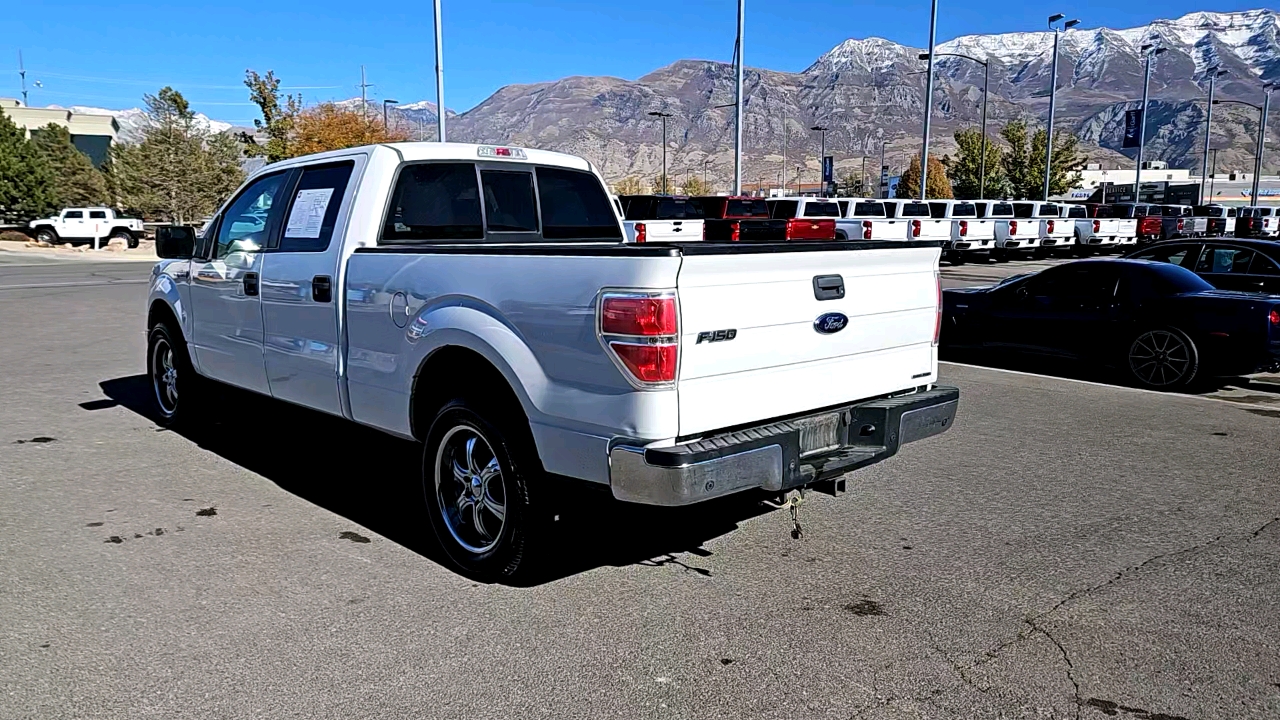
[
  {"x": 226, "y": 306},
  {"x": 300, "y": 289}
]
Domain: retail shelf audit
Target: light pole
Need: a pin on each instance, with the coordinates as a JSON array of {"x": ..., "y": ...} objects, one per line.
[
  {"x": 928, "y": 98},
  {"x": 1214, "y": 74},
  {"x": 1149, "y": 51},
  {"x": 1215, "y": 173},
  {"x": 1053, "y": 96},
  {"x": 822, "y": 159},
  {"x": 385, "y": 103},
  {"x": 986, "y": 84},
  {"x": 439, "y": 75},
  {"x": 664, "y": 116},
  {"x": 737, "y": 112},
  {"x": 705, "y": 188},
  {"x": 1262, "y": 133}
]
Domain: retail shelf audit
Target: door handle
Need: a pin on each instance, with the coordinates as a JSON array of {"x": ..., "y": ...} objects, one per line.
[
  {"x": 251, "y": 283},
  {"x": 322, "y": 289},
  {"x": 828, "y": 287}
]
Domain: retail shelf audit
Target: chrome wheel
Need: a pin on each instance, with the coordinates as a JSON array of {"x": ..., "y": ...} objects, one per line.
[
  {"x": 164, "y": 377},
  {"x": 1160, "y": 358},
  {"x": 469, "y": 489},
  {"x": 46, "y": 236}
]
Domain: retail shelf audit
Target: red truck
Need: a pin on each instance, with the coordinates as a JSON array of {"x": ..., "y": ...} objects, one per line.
[
  {"x": 740, "y": 219},
  {"x": 807, "y": 218}
]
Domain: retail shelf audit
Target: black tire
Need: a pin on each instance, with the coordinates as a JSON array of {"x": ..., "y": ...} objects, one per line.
[
  {"x": 46, "y": 234},
  {"x": 1000, "y": 256},
  {"x": 1162, "y": 358},
  {"x": 841, "y": 236},
  {"x": 126, "y": 236},
  {"x": 467, "y": 438},
  {"x": 175, "y": 386}
]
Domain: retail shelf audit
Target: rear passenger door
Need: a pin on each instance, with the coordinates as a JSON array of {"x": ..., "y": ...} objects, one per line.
[
  {"x": 1227, "y": 268},
  {"x": 301, "y": 278}
]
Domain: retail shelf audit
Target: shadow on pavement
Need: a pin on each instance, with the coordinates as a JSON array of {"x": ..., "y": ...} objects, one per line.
[{"x": 371, "y": 478}]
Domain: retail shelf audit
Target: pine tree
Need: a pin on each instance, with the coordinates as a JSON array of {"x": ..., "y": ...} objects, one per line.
[
  {"x": 1067, "y": 164},
  {"x": 179, "y": 171},
  {"x": 76, "y": 181},
  {"x": 277, "y": 121},
  {"x": 26, "y": 184},
  {"x": 1016, "y": 161},
  {"x": 965, "y": 169}
]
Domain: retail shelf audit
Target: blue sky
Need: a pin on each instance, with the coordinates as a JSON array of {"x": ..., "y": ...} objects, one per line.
[{"x": 84, "y": 56}]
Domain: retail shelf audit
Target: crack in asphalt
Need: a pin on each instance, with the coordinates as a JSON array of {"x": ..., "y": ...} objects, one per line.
[{"x": 1033, "y": 622}]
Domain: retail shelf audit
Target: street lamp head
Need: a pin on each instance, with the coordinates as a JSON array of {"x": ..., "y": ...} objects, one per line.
[
  {"x": 1055, "y": 18},
  {"x": 924, "y": 56},
  {"x": 817, "y": 127},
  {"x": 1071, "y": 23},
  {"x": 390, "y": 102}
]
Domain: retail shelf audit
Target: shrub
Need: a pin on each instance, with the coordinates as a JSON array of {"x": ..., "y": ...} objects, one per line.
[{"x": 14, "y": 236}]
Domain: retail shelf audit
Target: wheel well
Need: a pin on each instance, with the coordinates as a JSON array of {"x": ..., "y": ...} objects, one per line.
[
  {"x": 161, "y": 312},
  {"x": 450, "y": 372}
]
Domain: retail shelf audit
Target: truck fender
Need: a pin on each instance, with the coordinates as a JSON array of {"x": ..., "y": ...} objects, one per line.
[
  {"x": 468, "y": 324},
  {"x": 164, "y": 291}
]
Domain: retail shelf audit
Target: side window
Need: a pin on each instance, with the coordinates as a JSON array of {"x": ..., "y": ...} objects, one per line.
[
  {"x": 937, "y": 210},
  {"x": 1084, "y": 283},
  {"x": 844, "y": 207},
  {"x": 204, "y": 245},
  {"x": 73, "y": 215},
  {"x": 574, "y": 206},
  {"x": 1172, "y": 254},
  {"x": 314, "y": 208},
  {"x": 246, "y": 223},
  {"x": 1225, "y": 260},
  {"x": 437, "y": 201},
  {"x": 508, "y": 201},
  {"x": 1022, "y": 210},
  {"x": 1263, "y": 265},
  {"x": 97, "y": 214},
  {"x": 783, "y": 209}
]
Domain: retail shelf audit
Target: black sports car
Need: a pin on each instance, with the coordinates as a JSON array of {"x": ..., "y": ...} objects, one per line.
[
  {"x": 1226, "y": 263},
  {"x": 1159, "y": 323}
]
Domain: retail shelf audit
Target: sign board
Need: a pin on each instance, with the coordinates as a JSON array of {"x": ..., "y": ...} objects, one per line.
[
  {"x": 884, "y": 181},
  {"x": 828, "y": 169},
  {"x": 1132, "y": 128}
]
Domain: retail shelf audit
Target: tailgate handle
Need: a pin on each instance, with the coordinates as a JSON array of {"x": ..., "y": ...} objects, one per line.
[{"x": 828, "y": 287}]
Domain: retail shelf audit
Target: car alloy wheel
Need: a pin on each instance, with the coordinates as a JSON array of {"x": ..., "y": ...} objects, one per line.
[
  {"x": 470, "y": 491},
  {"x": 1160, "y": 358},
  {"x": 164, "y": 377},
  {"x": 46, "y": 236}
]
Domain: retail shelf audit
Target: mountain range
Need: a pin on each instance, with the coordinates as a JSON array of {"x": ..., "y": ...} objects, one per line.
[{"x": 869, "y": 93}]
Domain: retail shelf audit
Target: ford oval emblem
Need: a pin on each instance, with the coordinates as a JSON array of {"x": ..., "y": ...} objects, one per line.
[{"x": 830, "y": 323}]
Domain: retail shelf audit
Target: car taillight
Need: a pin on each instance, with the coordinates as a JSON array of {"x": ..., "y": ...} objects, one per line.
[
  {"x": 641, "y": 331},
  {"x": 641, "y": 232},
  {"x": 915, "y": 228},
  {"x": 1180, "y": 223},
  {"x": 866, "y": 229},
  {"x": 1050, "y": 224},
  {"x": 1274, "y": 317},
  {"x": 1013, "y": 227},
  {"x": 964, "y": 228},
  {"x": 733, "y": 231},
  {"x": 1097, "y": 225},
  {"x": 937, "y": 320}
]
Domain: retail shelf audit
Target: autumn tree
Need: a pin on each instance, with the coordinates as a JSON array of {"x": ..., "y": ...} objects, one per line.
[
  {"x": 661, "y": 185},
  {"x": 76, "y": 181},
  {"x": 179, "y": 171},
  {"x": 965, "y": 169},
  {"x": 937, "y": 185},
  {"x": 277, "y": 120},
  {"x": 332, "y": 127},
  {"x": 629, "y": 185},
  {"x": 26, "y": 184},
  {"x": 693, "y": 186}
]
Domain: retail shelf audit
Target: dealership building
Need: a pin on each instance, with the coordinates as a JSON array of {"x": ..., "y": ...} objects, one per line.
[{"x": 91, "y": 134}]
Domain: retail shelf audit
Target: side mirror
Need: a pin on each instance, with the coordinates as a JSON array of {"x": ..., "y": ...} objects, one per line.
[{"x": 176, "y": 242}]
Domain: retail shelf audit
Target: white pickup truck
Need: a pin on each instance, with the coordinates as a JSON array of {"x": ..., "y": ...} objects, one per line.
[
  {"x": 919, "y": 222},
  {"x": 482, "y": 302},
  {"x": 870, "y": 221},
  {"x": 85, "y": 225},
  {"x": 971, "y": 237},
  {"x": 661, "y": 218},
  {"x": 1013, "y": 236},
  {"x": 1055, "y": 233}
]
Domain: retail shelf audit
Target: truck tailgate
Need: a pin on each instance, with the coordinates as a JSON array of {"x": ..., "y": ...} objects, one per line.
[{"x": 776, "y": 362}]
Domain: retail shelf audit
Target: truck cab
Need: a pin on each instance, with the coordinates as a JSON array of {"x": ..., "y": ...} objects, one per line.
[
  {"x": 870, "y": 220},
  {"x": 918, "y": 222},
  {"x": 739, "y": 219}
]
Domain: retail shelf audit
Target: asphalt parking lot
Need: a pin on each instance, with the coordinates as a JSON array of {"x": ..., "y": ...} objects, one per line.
[{"x": 1069, "y": 550}]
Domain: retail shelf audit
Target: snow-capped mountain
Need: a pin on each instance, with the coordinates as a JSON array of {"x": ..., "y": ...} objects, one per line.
[{"x": 133, "y": 120}]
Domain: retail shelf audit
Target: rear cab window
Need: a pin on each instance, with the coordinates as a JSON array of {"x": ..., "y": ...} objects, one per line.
[
  {"x": 821, "y": 209},
  {"x": 1077, "y": 212},
  {"x": 746, "y": 208},
  {"x": 914, "y": 209},
  {"x": 964, "y": 210},
  {"x": 1050, "y": 211},
  {"x": 1023, "y": 210},
  {"x": 937, "y": 210},
  {"x": 868, "y": 209},
  {"x": 782, "y": 209}
]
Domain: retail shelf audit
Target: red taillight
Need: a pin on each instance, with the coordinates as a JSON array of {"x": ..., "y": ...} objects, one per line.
[
  {"x": 964, "y": 228},
  {"x": 915, "y": 228},
  {"x": 1180, "y": 222},
  {"x": 1274, "y": 317},
  {"x": 647, "y": 363},
  {"x": 640, "y": 315},
  {"x": 642, "y": 232},
  {"x": 1050, "y": 225},
  {"x": 733, "y": 232},
  {"x": 937, "y": 321},
  {"x": 641, "y": 330},
  {"x": 1013, "y": 227},
  {"x": 866, "y": 229},
  {"x": 1097, "y": 225}
]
